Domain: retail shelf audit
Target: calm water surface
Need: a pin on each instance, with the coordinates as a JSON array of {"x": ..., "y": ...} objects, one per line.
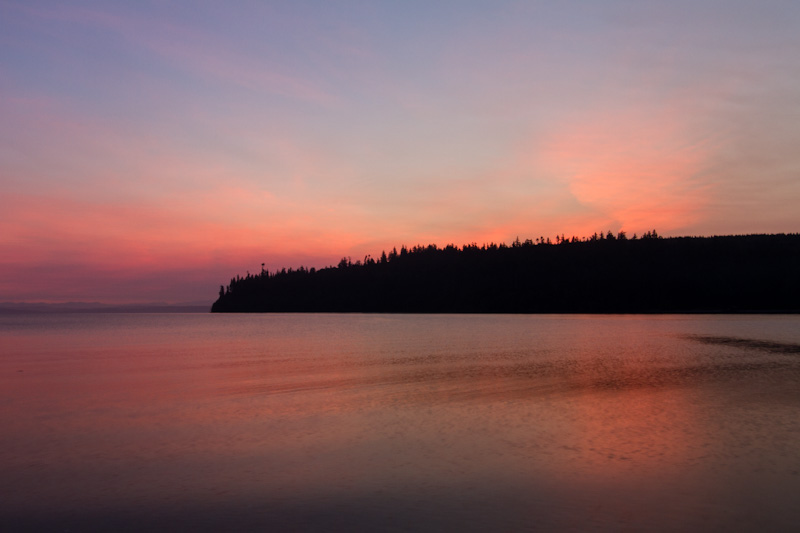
[{"x": 399, "y": 422}]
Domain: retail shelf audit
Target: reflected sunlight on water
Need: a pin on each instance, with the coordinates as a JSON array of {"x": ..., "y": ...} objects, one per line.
[{"x": 399, "y": 422}]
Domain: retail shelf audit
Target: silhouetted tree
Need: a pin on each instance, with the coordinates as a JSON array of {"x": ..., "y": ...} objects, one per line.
[{"x": 731, "y": 274}]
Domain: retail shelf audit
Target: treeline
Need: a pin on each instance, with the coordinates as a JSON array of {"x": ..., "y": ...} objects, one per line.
[{"x": 604, "y": 273}]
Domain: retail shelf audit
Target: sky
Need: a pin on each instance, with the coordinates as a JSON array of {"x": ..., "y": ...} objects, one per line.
[{"x": 152, "y": 150}]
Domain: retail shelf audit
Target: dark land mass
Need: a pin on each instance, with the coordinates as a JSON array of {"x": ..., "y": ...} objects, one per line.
[{"x": 601, "y": 274}]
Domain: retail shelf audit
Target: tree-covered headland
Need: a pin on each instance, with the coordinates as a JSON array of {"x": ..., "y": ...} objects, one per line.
[{"x": 604, "y": 273}]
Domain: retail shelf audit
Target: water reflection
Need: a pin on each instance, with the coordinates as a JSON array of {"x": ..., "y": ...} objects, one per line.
[{"x": 400, "y": 422}]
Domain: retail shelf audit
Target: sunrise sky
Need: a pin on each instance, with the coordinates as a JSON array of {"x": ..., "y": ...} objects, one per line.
[{"x": 149, "y": 151}]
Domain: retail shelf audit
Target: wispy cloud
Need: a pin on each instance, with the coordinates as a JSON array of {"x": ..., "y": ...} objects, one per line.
[
  {"x": 638, "y": 169},
  {"x": 200, "y": 52}
]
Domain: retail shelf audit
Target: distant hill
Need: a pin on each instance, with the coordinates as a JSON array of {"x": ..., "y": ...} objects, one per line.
[
  {"x": 96, "y": 307},
  {"x": 601, "y": 274}
]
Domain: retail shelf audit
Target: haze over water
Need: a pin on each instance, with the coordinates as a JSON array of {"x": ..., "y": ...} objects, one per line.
[{"x": 399, "y": 422}]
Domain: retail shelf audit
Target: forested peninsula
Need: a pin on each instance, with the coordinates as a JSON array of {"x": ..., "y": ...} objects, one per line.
[{"x": 604, "y": 273}]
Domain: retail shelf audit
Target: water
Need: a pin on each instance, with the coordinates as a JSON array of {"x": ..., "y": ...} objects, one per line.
[{"x": 399, "y": 422}]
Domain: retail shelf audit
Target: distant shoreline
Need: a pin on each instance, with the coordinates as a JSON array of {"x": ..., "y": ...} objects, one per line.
[
  {"x": 742, "y": 274},
  {"x": 602, "y": 313},
  {"x": 12, "y": 308}
]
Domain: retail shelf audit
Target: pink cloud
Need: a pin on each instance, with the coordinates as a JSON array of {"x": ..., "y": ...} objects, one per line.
[{"x": 638, "y": 169}]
